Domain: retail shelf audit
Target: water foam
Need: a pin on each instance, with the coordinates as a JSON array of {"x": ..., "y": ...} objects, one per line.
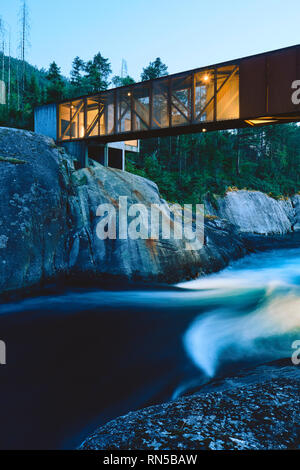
[
  {"x": 222, "y": 334},
  {"x": 264, "y": 331}
]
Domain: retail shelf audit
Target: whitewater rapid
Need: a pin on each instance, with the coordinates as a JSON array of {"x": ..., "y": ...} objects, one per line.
[{"x": 237, "y": 330}]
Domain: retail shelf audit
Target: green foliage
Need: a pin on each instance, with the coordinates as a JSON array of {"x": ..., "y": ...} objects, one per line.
[
  {"x": 184, "y": 167},
  {"x": 78, "y": 67},
  {"x": 122, "y": 81},
  {"x": 41, "y": 87},
  {"x": 97, "y": 74},
  {"x": 187, "y": 167},
  {"x": 155, "y": 69},
  {"x": 56, "y": 86}
]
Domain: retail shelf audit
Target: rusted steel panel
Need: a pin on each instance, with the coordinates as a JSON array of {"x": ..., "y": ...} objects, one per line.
[
  {"x": 282, "y": 71},
  {"x": 253, "y": 87}
]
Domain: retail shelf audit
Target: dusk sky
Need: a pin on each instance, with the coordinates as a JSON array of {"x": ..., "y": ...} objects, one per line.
[{"x": 185, "y": 34}]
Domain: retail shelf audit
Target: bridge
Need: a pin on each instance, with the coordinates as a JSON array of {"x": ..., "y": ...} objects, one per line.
[{"x": 251, "y": 91}]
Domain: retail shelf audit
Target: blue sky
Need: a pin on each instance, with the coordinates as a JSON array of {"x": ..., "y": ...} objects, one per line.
[{"x": 185, "y": 33}]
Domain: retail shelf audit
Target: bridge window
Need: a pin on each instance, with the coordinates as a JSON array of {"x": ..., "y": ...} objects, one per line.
[
  {"x": 77, "y": 119},
  {"x": 228, "y": 93},
  {"x": 181, "y": 94},
  {"x": 64, "y": 121},
  {"x": 92, "y": 117},
  {"x": 204, "y": 95},
  {"x": 71, "y": 120},
  {"x": 124, "y": 110},
  {"x": 160, "y": 113},
  {"x": 108, "y": 112},
  {"x": 141, "y": 107}
]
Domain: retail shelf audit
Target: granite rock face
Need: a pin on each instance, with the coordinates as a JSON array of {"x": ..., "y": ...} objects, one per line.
[
  {"x": 296, "y": 204},
  {"x": 48, "y": 222},
  {"x": 250, "y": 413},
  {"x": 255, "y": 212},
  {"x": 34, "y": 216}
]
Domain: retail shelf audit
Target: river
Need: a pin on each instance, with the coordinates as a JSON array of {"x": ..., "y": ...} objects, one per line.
[{"x": 79, "y": 357}]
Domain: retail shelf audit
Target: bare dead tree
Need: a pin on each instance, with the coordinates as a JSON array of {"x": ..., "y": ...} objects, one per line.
[
  {"x": 18, "y": 85},
  {"x": 24, "y": 42},
  {"x": 2, "y": 45},
  {"x": 2, "y": 39},
  {"x": 9, "y": 69}
]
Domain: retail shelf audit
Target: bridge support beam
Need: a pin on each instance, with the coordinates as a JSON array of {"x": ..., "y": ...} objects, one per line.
[
  {"x": 86, "y": 157},
  {"x": 123, "y": 159},
  {"x": 106, "y": 155}
]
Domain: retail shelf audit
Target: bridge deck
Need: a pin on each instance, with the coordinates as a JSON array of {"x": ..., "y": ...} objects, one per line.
[{"x": 246, "y": 92}]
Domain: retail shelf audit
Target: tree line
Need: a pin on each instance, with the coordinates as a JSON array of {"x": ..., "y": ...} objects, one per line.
[
  {"x": 26, "y": 87},
  {"x": 49, "y": 86},
  {"x": 185, "y": 167}
]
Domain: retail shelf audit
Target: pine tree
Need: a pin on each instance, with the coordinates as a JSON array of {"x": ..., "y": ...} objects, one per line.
[
  {"x": 155, "y": 69},
  {"x": 55, "y": 89},
  {"x": 78, "y": 67},
  {"x": 33, "y": 92},
  {"x": 98, "y": 71},
  {"x": 122, "y": 81}
]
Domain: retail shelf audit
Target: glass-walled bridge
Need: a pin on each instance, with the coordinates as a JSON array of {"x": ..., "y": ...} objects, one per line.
[{"x": 255, "y": 90}]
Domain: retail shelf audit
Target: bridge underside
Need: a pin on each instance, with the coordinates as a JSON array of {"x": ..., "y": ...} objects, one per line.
[{"x": 252, "y": 91}]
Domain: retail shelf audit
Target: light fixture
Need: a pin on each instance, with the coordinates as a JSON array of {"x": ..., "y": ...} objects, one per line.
[
  {"x": 206, "y": 78},
  {"x": 204, "y": 130},
  {"x": 129, "y": 94}
]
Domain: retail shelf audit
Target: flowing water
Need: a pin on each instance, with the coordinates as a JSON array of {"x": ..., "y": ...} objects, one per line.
[{"x": 77, "y": 358}]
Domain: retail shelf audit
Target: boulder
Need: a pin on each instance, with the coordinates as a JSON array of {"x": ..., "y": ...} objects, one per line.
[
  {"x": 253, "y": 212},
  {"x": 259, "y": 411}
]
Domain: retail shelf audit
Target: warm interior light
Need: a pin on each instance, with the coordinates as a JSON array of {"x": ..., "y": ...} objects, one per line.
[
  {"x": 129, "y": 94},
  {"x": 206, "y": 78},
  {"x": 254, "y": 122},
  {"x": 204, "y": 130}
]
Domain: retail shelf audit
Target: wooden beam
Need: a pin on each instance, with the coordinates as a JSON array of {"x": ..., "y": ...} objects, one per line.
[
  {"x": 72, "y": 118},
  {"x": 95, "y": 121}
]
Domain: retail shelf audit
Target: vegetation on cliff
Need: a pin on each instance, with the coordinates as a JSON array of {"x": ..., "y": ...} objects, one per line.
[{"x": 186, "y": 167}]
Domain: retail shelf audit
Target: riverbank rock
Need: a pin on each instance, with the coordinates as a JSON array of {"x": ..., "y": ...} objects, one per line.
[
  {"x": 296, "y": 204},
  {"x": 48, "y": 222},
  {"x": 255, "y": 413},
  {"x": 255, "y": 212}
]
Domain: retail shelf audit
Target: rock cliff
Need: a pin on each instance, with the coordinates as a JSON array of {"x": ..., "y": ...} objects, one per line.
[
  {"x": 255, "y": 212},
  {"x": 48, "y": 222}
]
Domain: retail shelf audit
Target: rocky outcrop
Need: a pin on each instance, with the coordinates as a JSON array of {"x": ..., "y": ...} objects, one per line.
[
  {"x": 255, "y": 212},
  {"x": 296, "y": 205},
  {"x": 48, "y": 221},
  {"x": 255, "y": 412}
]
